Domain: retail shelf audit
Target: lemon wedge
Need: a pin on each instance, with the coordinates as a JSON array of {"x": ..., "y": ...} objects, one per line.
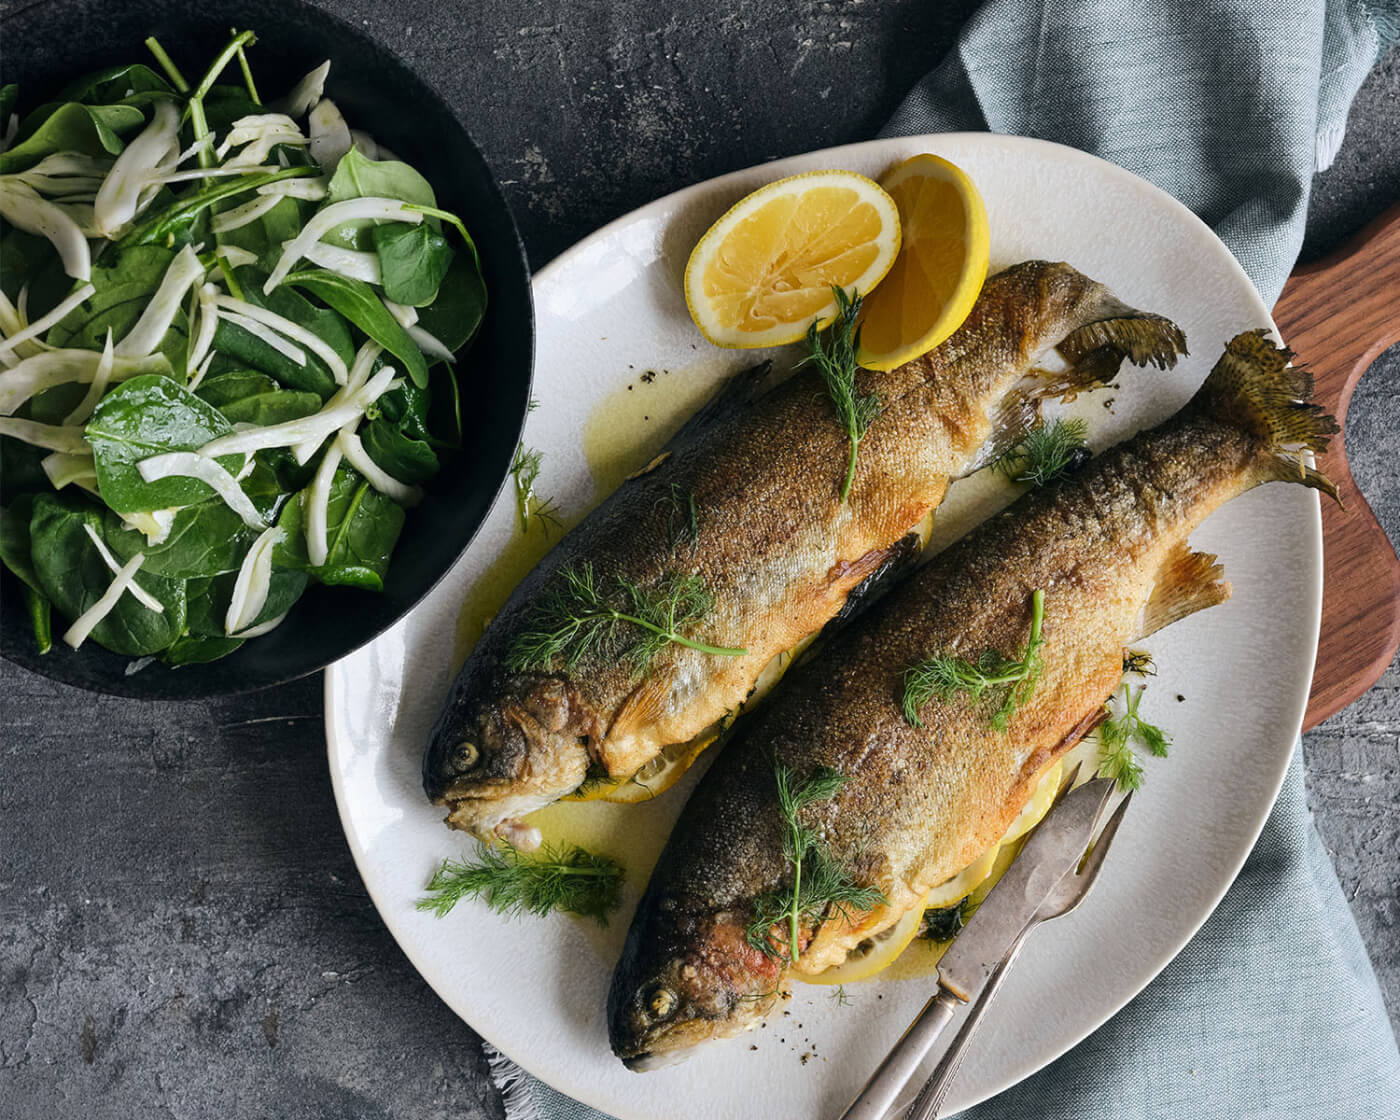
[
  {"x": 941, "y": 265},
  {"x": 763, "y": 273}
]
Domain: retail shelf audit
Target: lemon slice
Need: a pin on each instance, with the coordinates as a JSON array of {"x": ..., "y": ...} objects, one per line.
[
  {"x": 941, "y": 265},
  {"x": 1039, "y": 804},
  {"x": 763, "y": 273},
  {"x": 873, "y": 955},
  {"x": 652, "y": 780}
]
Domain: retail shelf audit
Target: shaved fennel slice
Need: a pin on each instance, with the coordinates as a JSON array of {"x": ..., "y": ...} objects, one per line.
[
  {"x": 101, "y": 377},
  {"x": 254, "y": 580},
  {"x": 21, "y": 206},
  {"x": 316, "y": 427},
  {"x": 155, "y": 320},
  {"x": 59, "y": 367},
  {"x": 118, "y": 201},
  {"x": 224, "y": 172},
  {"x": 65, "y": 469},
  {"x": 86, "y": 622},
  {"x": 199, "y": 373},
  {"x": 307, "y": 92},
  {"x": 356, "y": 455},
  {"x": 208, "y": 325},
  {"x": 263, "y": 627},
  {"x": 354, "y": 263},
  {"x": 430, "y": 345},
  {"x": 266, "y": 334},
  {"x": 52, "y": 437},
  {"x": 236, "y": 255},
  {"x": 43, "y": 323},
  {"x": 193, "y": 464},
  {"x": 403, "y": 314},
  {"x": 294, "y": 331},
  {"x": 328, "y": 217},
  {"x": 153, "y": 524},
  {"x": 65, "y": 173},
  {"x": 244, "y": 215},
  {"x": 309, "y": 188},
  {"x": 318, "y": 499},
  {"x": 360, "y": 368},
  {"x": 145, "y": 598},
  {"x": 330, "y": 135}
]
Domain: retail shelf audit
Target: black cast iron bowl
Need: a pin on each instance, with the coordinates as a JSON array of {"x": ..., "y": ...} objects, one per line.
[{"x": 49, "y": 44}]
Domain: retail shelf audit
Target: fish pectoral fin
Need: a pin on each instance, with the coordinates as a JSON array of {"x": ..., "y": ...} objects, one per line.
[
  {"x": 641, "y": 709},
  {"x": 1186, "y": 583},
  {"x": 1113, "y": 331}
]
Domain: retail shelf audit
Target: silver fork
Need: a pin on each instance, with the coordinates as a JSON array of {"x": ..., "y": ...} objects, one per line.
[{"x": 1067, "y": 895}]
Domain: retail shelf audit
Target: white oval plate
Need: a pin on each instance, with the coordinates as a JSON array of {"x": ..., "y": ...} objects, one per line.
[{"x": 611, "y": 308}]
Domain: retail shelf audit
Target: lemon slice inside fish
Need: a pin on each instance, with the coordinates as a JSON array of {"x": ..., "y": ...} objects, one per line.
[
  {"x": 940, "y": 269},
  {"x": 652, "y": 780},
  {"x": 763, "y": 273},
  {"x": 875, "y": 954}
]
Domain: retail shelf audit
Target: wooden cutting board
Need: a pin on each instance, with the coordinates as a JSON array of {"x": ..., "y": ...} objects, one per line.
[{"x": 1339, "y": 314}]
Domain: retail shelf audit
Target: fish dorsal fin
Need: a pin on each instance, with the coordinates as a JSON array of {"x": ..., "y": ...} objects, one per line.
[{"x": 1186, "y": 583}]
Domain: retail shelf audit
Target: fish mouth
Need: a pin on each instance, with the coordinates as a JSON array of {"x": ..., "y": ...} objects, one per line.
[{"x": 653, "y": 1060}]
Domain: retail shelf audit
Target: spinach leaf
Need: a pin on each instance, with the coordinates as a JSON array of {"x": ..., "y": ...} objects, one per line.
[
  {"x": 74, "y": 576},
  {"x": 209, "y": 600},
  {"x": 125, "y": 284},
  {"x": 224, "y": 104},
  {"x": 207, "y": 539},
  {"x": 454, "y": 316},
  {"x": 21, "y": 470},
  {"x": 26, "y": 259},
  {"x": 265, "y": 236},
  {"x": 250, "y": 351},
  {"x": 357, "y": 302},
  {"x": 407, "y": 407},
  {"x": 9, "y": 98},
  {"x": 174, "y": 225},
  {"x": 16, "y": 547},
  {"x": 362, "y": 527},
  {"x": 412, "y": 261},
  {"x": 407, "y": 459},
  {"x": 192, "y": 650},
  {"x": 246, "y": 397},
  {"x": 40, "y": 612},
  {"x": 145, "y": 416},
  {"x": 358, "y": 176},
  {"x": 116, "y": 83},
  {"x": 95, "y": 130}
]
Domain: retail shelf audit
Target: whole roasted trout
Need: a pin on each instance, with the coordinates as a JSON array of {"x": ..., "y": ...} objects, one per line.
[
  {"x": 1107, "y": 549},
  {"x": 738, "y": 531}
]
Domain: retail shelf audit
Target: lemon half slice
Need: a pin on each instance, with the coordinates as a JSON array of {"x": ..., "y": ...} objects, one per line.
[
  {"x": 941, "y": 266},
  {"x": 763, "y": 273}
]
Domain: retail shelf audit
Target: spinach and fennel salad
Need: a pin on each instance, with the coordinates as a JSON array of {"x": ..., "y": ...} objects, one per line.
[{"x": 226, "y": 369}]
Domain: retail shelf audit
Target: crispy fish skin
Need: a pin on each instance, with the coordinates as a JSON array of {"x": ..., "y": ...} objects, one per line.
[
  {"x": 775, "y": 547},
  {"x": 1107, "y": 546}
]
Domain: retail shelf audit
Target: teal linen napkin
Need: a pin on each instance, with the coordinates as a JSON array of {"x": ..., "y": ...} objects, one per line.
[{"x": 1272, "y": 1011}]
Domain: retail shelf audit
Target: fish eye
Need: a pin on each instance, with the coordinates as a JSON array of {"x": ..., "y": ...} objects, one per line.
[
  {"x": 465, "y": 755},
  {"x": 661, "y": 1002}
]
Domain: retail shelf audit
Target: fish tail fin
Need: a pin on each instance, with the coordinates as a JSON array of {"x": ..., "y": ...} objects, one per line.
[
  {"x": 1254, "y": 387},
  {"x": 1110, "y": 331}
]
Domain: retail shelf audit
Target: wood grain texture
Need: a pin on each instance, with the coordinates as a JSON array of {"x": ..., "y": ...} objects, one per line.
[{"x": 1339, "y": 314}]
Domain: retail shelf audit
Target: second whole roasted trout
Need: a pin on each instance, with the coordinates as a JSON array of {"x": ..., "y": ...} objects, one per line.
[
  {"x": 919, "y": 785},
  {"x": 736, "y": 539}
]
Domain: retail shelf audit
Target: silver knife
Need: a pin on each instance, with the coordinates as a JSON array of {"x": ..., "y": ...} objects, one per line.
[{"x": 1052, "y": 852}]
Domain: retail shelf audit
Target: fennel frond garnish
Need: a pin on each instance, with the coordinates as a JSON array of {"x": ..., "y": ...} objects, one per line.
[
  {"x": 576, "y": 617},
  {"x": 525, "y": 470},
  {"x": 833, "y": 353},
  {"x": 947, "y": 676},
  {"x": 570, "y": 878},
  {"x": 1117, "y": 735},
  {"x": 818, "y": 882},
  {"x": 1046, "y": 452}
]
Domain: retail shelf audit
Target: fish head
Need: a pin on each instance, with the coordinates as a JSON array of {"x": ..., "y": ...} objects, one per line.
[
  {"x": 499, "y": 753},
  {"x": 684, "y": 979}
]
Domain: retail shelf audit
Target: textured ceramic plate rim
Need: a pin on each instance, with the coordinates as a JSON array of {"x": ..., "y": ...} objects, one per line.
[{"x": 1037, "y": 152}]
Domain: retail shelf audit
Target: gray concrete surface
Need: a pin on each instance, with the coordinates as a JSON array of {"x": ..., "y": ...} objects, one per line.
[{"x": 182, "y": 931}]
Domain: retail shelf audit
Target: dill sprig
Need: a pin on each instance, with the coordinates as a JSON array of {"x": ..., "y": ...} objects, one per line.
[
  {"x": 570, "y": 878},
  {"x": 526, "y": 472},
  {"x": 840, "y": 995},
  {"x": 1046, "y": 452},
  {"x": 682, "y": 518},
  {"x": 833, "y": 352},
  {"x": 947, "y": 676},
  {"x": 818, "y": 882},
  {"x": 575, "y": 618},
  {"x": 1117, "y": 735}
]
